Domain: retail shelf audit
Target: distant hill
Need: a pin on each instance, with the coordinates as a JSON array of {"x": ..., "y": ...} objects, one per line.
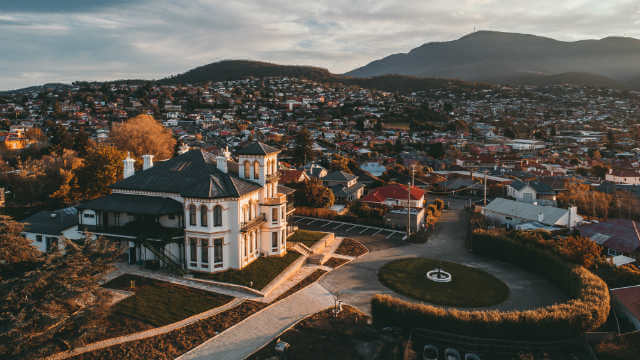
[
  {"x": 37, "y": 88},
  {"x": 242, "y": 69},
  {"x": 505, "y": 57}
]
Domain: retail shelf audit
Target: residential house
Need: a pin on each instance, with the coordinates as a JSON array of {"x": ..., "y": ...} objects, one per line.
[
  {"x": 345, "y": 186},
  {"x": 532, "y": 191},
  {"x": 194, "y": 211},
  {"x": 618, "y": 236},
  {"x": 511, "y": 213},
  {"x": 46, "y": 228},
  {"x": 396, "y": 195}
]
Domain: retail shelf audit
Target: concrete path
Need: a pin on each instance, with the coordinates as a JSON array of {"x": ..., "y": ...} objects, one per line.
[
  {"x": 251, "y": 334},
  {"x": 137, "y": 270},
  {"x": 145, "y": 334},
  {"x": 355, "y": 283}
]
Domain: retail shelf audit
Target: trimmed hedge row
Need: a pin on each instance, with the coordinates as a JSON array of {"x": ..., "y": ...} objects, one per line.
[{"x": 587, "y": 309}]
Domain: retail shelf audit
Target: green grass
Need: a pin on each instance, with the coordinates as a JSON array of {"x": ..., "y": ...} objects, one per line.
[
  {"x": 469, "y": 288},
  {"x": 160, "y": 303},
  {"x": 261, "y": 271},
  {"x": 307, "y": 237}
]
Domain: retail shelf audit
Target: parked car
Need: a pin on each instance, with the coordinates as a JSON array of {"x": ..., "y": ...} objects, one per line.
[
  {"x": 471, "y": 356},
  {"x": 429, "y": 352},
  {"x": 452, "y": 354}
]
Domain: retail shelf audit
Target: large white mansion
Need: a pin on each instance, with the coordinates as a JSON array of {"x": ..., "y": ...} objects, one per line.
[{"x": 196, "y": 211}]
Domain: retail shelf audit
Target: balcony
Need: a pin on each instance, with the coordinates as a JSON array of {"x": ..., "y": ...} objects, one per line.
[
  {"x": 252, "y": 224},
  {"x": 277, "y": 199},
  {"x": 290, "y": 208},
  {"x": 135, "y": 230},
  {"x": 272, "y": 177}
]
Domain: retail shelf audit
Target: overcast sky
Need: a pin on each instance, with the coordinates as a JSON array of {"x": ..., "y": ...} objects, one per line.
[{"x": 66, "y": 40}]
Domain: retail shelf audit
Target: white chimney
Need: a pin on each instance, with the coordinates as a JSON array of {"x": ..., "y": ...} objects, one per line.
[
  {"x": 129, "y": 168},
  {"x": 147, "y": 162},
  {"x": 221, "y": 160},
  {"x": 540, "y": 215}
]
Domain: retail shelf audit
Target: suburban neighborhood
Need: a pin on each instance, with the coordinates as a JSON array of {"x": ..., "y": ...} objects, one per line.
[{"x": 266, "y": 217}]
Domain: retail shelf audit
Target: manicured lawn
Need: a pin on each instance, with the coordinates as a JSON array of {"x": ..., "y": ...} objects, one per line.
[
  {"x": 160, "y": 303},
  {"x": 469, "y": 288},
  {"x": 261, "y": 271},
  {"x": 307, "y": 237}
]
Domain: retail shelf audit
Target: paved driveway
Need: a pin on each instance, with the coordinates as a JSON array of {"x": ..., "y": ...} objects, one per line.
[{"x": 357, "y": 282}]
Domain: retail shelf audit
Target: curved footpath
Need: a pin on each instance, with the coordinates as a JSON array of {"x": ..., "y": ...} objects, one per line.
[
  {"x": 356, "y": 282},
  {"x": 146, "y": 333}
]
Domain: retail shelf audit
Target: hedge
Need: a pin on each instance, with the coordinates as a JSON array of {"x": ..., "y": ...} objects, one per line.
[{"x": 587, "y": 309}]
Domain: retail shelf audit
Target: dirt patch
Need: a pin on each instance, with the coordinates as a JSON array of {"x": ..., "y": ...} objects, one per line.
[
  {"x": 327, "y": 336},
  {"x": 351, "y": 247}
]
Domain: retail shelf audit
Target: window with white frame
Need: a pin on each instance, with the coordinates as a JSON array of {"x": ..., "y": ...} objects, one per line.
[
  {"x": 193, "y": 252},
  {"x": 218, "y": 261},
  {"x": 274, "y": 241},
  {"x": 204, "y": 253}
]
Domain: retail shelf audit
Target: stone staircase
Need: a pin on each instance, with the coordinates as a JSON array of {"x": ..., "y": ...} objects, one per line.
[{"x": 315, "y": 259}]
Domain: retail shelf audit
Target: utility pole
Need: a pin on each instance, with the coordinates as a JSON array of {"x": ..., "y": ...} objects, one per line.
[
  {"x": 485, "y": 188},
  {"x": 408, "y": 211}
]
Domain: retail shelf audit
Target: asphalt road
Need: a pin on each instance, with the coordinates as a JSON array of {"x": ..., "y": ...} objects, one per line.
[{"x": 357, "y": 282}]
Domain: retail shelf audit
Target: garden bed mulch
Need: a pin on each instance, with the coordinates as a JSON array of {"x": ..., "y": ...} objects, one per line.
[
  {"x": 335, "y": 262},
  {"x": 351, "y": 247}
]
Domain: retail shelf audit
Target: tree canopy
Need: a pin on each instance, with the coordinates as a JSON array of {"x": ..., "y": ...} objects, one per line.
[{"x": 143, "y": 135}]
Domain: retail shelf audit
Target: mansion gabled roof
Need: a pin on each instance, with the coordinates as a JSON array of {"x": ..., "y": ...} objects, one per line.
[
  {"x": 192, "y": 174},
  {"x": 134, "y": 204},
  {"x": 257, "y": 148}
]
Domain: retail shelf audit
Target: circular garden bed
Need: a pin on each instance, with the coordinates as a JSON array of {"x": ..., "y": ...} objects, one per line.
[{"x": 469, "y": 288}]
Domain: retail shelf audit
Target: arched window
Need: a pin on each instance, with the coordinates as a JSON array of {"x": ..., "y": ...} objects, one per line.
[
  {"x": 246, "y": 246},
  {"x": 247, "y": 169},
  {"x": 217, "y": 215},
  {"x": 256, "y": 170},
  {"x": 192, "y": 215},
  {"x": 203, "y": 215}
]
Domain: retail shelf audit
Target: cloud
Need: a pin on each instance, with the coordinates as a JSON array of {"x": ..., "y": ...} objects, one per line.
[{"x": 102, "y": 40}]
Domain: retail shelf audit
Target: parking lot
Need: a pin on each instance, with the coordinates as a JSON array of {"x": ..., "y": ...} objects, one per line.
[{"x": 375, "y": 238}]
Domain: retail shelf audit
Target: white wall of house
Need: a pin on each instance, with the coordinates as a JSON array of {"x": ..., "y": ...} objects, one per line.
[{"x": 629, "y": 180}]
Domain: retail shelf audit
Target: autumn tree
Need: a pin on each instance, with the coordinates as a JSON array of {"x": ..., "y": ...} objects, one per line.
[
  {"x": 103, "y": 166},
  {"x": 15, "y": 249},
  {"x": 54, "y": 303},
  {"x": 313, "y": 194},
  {"x": 142, "y": 135}
]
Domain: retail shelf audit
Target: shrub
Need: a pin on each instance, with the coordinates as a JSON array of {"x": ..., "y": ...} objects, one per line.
[{"x": 587, "y": 309}]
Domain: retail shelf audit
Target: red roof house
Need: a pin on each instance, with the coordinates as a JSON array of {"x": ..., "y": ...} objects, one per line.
[{"x": 396, "y": 195}]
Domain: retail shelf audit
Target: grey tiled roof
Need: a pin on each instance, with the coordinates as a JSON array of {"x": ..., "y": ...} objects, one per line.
[
  {"x": 51, "y": 222},
  {"x": 338, "y": 176},
  {"x": 134, "y": 204},
  {"x": 257, "y": 148},
  {"x": 192, "y": 174}
]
